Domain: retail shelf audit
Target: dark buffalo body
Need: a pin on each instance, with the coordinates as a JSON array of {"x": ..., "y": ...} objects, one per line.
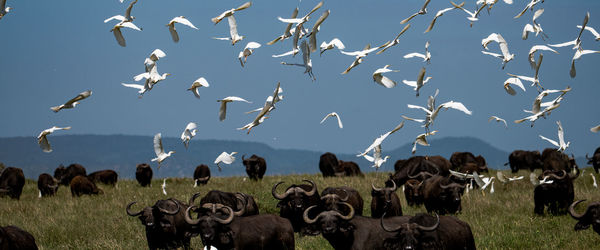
[
  {"x": 218, "y": 227},
  {"x": 81, "y": 185},
  {"x": 415, "y": 165},
  {"x": 143, "y": 174},
  {"x": 424, "y": 231},
  {"x": 442, "y": 195},
  {"x": 256, "y": 167},
  {"x": 595, "y": 159},
  {"x": 557, "y": 196},
  {"x": 165, "y": 224},
  {"x": 328, "y": 164},
  {"x": 293, "y": 202},
  {"x": 47, "y": 184},
  {"x": 466, "y": 162},
  {"x": 413, "y": 192},
  {"x": 331, "y": 198},
  {"x": 242, "y": 204},
  {"x": 108, "y": 177},
  {"x": 555, "y": 160},
  {"x": 12, "y": 181},
  {"x": 521, "y": 159},
  {"x": 14, "y": 238},
  {"x": 590, "y": 217},
  {"x": 201, "y": 174},
  {"x": 385, "y": 201},
  {"x": 65, "y": 175}
]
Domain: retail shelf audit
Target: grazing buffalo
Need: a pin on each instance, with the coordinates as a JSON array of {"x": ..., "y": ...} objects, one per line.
[
  {"x": 466, "y": 162},
  {"x": 416, "y": 165},
  {"x": 346, "y": 231},
  {"x": 442, "y": 195},
  {"x": 332, "y": 197},
  {"x": 12, "y": 237},
  {"x": 65, "y": 175},
  {"x": 243, "y": 204},
  {"x": 265, "y": 231},
  {"x": 424, "y": 231},
  {"x": 12, "y": 181},
  {"x": 557, "y": 196},
  {"x": 413, "y": 192},
  {"x": 385, "y": 201},
  {"x": 591, "y": 216},
  {"x": 294, "y": 201},
  {"x": 256, "y": 167},
  {"x": 47, "y": 185},
  {"x": 165, "y": 224},
  {"x": 348, "y": 168},
  {"x": 328, "y": 163},
  {"x": 521, "y": 159},
  {"x": 108, "y": 177},
  {"x": 82, "y": 185},
  {"x": 595, "y": 160},
  {"x": 143, "y": 174},
  {"x": 201, "y": 175},
  {"x": 555, "y": 160}
]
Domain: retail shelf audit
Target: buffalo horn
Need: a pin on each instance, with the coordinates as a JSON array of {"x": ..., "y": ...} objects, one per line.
[
  {"x": 312, "y": 191},
  {"x": 241, "y": 197},
  {"x": 306, "y": 218},
  {"x": 431, "y": 228},
  {"x": 378, "y": 189},
  {"x": 387, "y": 229},
  {"x": 194, "y": 198},
  {"x": 188, "y": 218},
  {"x": 165, "y": 211},
  {"x": 229, "y": 218},
  {"x": 573, "y": 213},
  {"x": 279, "y": 196},
  {"x": 394, "y": 187},
  {"x": 564, "y": 174},
  {"x": 349, "y": 215},
  {"x": 129, "y": 211}
]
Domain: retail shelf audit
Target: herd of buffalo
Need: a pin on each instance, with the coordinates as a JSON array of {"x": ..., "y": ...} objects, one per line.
[{"x": 228, "y": 220}]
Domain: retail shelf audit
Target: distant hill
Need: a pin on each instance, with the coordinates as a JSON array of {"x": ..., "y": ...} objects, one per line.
[{"x": 122, "y": 152}]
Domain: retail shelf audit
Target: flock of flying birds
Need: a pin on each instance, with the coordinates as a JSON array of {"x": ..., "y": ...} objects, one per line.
[{"x": 305, "y": 41}]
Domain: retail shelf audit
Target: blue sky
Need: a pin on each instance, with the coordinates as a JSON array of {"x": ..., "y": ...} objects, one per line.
[{"x": 51, "y": 51}]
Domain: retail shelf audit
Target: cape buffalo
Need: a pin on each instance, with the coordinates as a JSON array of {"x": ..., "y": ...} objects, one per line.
[
  {"x": 143, "y": 174},
  {"x": 460, "y": 162},
  {"x": 12, "y": 181},
  {"x": 595, "y": 160},
  {"x": 591, "y": 216},
  {"x": 348, "y": 168},
  {"x": 294, "y": 201},
  {"x": 521, "y": 159},
  {"x": 327, "y": 164},
  {"x": 557, "y": 196},
  {"x": 413, "y": 192},
  {"x": 165, "y": 224},
  {"x": 256, "y": 167},
  {"x": 265, "y": 231},
  {"x": 385, "y": 201},
  {"x": 441, "y": 195},
  {"x": 243, "y": 204},
  {"x": 346, "y": 231},
  {"x": 65, "y": 175},
  {"x": 12, "y": 237},
  {"x": 201, "y": 175},
  {"x": 47, "y": 185},
  {"x": 424, "y": 231},
  {"x": 332, "y": 197},
  {"x": 416, "y": 165},
  {"x": 82, "y": 185},
  {"x": 555, "y": 160},
  {"x": 108, "y": 177}
]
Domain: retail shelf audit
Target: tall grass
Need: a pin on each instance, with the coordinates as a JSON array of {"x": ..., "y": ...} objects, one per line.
[{"x": 503, "y": 220}]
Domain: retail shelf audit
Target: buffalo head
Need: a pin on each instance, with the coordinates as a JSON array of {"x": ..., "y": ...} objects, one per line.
[{"x": 331, "y": 221}]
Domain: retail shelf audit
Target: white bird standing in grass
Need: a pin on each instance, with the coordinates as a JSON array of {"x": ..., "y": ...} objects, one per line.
[
  {"x": 426, "y": 57},
  {"x": 3, "y": 9},
  {"x": 377, "y": 142},
  {"x": 536, "y": 27},
  {"x": 506, "y": 56},
  {"x": 359, "y": 55},
  {"x": 223, "y": 107},
  {"x": 163, "y": 186},
  {"x": 189, "y": 133},
  {"x": 395, "y": 41},
  {"x": 43, "y": 141},
  {"x": 595, "y": 129},
  {"x": 225, "y": 158},
  {"x": 159, "y": 150},
  {"x": 73, "y": 102},
  {"x": 334, "y": 43},
  {"x": 441, "y": 13},
  {"x": 422, "y": 11},
  {"x": 382, "y": 80},
  {"x": 512, "y": 81},
  {"x": 333, "y": 114},
  {"x": 594, "y": 179},
  {"x": 421, "y": 80},
  {"x": 561, "y": 144},
  {"x": 196, "y": 85},
  {"x": 181, "y": 20},
  {"x": 287, "y": 32},
  {"x": 498, "y": 119},
  {"x": 248, "y": 50}
]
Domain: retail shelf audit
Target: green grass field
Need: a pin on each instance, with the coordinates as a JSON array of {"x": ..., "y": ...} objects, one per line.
[{"x": 503, "y": 220}]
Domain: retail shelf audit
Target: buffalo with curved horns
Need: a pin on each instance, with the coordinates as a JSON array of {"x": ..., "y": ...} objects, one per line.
[
  {"x": 385, "y": 201},
  {"x": 591, "y": 216},
  {"x": 243, "y": 204},
  {"x": 165, "y": 224},
  {"x": 558, "y": 195},
  {"x": 294, "y": 201},
  {"x": 332, "y": 197},
  {"x": 442, "y": 195},
  {"x": 264, "y": 231}
]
